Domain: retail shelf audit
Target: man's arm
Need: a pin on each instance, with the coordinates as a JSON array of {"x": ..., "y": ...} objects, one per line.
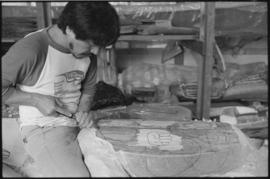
[
  {"x": 22, "y": 64},
  {"x": 11, "y": 95},
  {"x": 83, "y": 115},
  {"x": 47, "y": 105},
  {"x": 88, "y": 86},
  {"x": 85, "y": 102}
]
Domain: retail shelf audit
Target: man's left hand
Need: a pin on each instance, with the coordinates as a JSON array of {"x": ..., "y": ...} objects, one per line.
[{"x": 85, "y": 119}]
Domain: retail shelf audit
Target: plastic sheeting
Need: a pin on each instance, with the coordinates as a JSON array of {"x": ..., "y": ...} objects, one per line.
[
  {"x": 114, "y": 150},
  {"x": 14, "y": 154},
  {"x": 247, "y": 90},
  {"x": 154, "y": 79},
  {"x": 231, "y": 17}
]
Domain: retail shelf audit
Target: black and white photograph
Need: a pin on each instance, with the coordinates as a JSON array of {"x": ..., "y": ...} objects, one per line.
[{"x": 134, "y": 89}]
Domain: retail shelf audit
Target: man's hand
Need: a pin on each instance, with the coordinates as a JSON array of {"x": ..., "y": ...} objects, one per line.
[
  {"x": 49, "y": 105},
  {"x": 85, "y": 119}
]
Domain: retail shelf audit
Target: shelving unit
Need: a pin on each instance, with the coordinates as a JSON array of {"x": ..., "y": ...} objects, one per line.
[
  {"x": 9, "y": 40},
  {"x": 207, "y": 36}
]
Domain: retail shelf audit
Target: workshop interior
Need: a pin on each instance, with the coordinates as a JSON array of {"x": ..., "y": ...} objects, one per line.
[{"x": 183, "y": 92}]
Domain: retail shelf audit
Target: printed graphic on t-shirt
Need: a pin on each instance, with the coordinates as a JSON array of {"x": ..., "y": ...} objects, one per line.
[{"x": 67, "y": 88}]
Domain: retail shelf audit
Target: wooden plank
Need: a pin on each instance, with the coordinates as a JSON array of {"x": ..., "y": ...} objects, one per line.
[
  {"x": 107, "y": 71},
  {"x": 205, "y": 66},
  {"x": 220, "y": 60},
  {"x": 202, "y": 22},
  {"x": 44, "y": 18},
  {"x": 9, "y": 40},
  {"x": 172, "y": 51},
  {"x": 156, "y": 37},
  {"x": 112, "y": 60},
  {"x": 179, "y": 59}
]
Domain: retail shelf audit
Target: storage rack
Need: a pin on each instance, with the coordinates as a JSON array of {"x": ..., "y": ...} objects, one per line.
[{"x": 207, "y": 36}]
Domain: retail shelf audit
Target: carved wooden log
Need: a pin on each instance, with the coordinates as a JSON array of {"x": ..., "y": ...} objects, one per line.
[
  {"x": 158, "y": 111},
  {"x": 150, "y": 148},
  {"x": 250, "y": 92},
  {"x": 154, "y": 111}
]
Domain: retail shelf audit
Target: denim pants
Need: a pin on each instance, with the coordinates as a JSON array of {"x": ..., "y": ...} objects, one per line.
[{"x": 55, "y": 150}]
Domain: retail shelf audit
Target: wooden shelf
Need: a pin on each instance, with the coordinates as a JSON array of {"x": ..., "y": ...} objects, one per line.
[
  {"x": 9, "y": 40},
  {"x": 156, "y": 37},
  {"x": 137, "y": 38}
]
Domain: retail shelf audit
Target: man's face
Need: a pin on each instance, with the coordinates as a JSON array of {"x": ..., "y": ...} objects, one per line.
[{"x": 79, "y": 48}]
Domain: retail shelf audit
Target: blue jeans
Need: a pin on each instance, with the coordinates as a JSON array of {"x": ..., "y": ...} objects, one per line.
[{"x": 55, "y": 150}]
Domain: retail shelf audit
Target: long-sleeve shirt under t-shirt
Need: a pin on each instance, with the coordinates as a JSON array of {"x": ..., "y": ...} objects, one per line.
[{"x": 36, "y": 64}]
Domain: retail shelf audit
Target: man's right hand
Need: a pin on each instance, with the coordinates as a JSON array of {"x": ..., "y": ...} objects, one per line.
[
  {"x": 47, "y": 105},
  {"x": 50, "y": 106}
]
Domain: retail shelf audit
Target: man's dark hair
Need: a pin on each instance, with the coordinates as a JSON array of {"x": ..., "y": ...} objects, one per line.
[{"x": 96, "y": 21}]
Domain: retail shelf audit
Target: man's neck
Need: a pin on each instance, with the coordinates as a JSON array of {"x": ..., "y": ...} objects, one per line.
[{"x": 58, "y": 36}]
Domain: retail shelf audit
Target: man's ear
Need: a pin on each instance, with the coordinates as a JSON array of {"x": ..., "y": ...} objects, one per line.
[{"x": 70, "y": 32}]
